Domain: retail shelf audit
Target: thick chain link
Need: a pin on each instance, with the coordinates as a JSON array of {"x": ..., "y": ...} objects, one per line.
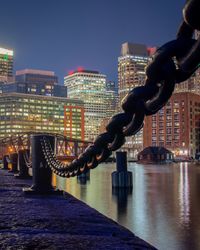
[
  {"x": 27, "y": 159},
  {"x": 172, "y": 63}
]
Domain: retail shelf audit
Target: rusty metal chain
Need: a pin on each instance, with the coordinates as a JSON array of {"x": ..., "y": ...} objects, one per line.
[
  {"x": 27, "y": 159},
  {"x": 172, "y": 63}
]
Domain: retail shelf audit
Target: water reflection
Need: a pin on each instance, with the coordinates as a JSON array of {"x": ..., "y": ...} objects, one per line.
[
  {"x": 184, "y": 194},
  {"x": 83, "y": 178},
  {"x": 162, "y": 208},
  {"x": 120, "y": 196}
]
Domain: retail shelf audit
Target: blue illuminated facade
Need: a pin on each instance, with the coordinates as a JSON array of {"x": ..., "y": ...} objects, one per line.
[{"x": 38, "y": 82}]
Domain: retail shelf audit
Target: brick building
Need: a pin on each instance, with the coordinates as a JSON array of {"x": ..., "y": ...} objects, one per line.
[{"x": 176, "y": 126}]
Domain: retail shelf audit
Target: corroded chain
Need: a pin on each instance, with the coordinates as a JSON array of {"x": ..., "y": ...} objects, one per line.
[
  {"x": 172, "y": 63},
  {"x": 27, "y": 159}
]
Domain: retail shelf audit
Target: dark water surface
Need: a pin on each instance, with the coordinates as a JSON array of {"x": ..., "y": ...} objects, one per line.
[{"x": 163, "y": 207}]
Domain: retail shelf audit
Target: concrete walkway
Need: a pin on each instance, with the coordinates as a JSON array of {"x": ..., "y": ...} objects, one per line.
[{"x": 56, "y": 222}]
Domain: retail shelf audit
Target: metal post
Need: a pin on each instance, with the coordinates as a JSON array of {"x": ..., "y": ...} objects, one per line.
[
  {"x": 121, "y": 177},
  {"x": 21, "y": 165},
  {"x": 5, "y": 162},
  {"x": 42, "y": 174},
  {"x": 121, "y": 161},
  {"x": 13, "y": 160}
]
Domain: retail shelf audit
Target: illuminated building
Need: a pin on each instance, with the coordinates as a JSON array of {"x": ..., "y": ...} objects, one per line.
[
  {"x": 6, "y": 65},
  {"x": 46, "y": 89},
  {"x": 191, "y": 85},
  {"x": 36, "y": 76},
  {"x": 90, "y": 87},
  {"x": 24, "y": 113},
  {"x": 176, "y": 126},
  {"x": 131, "y": 67},
  {"x": 131, "y": 73},
  {"x": 37, "y": 82},
  {"x": 111, "y": 85},
  {"x": 112, "y": 98}
]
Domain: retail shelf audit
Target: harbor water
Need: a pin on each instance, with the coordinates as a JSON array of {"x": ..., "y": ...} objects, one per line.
[{"x": 163, "y": 207}]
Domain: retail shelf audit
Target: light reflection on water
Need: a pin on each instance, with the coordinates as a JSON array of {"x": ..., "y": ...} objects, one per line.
[
  {"x": 184, "y": 195},
  {"x": 163, "y": 207}
]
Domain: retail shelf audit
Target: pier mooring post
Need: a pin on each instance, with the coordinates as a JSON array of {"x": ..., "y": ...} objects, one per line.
[
  {"x": 5, "y": 162},
  {"x": 13, "y": 161},
  {"x": 42, "y": 174},
  {"x": 21, "y": 165},
  {"x": 121, "y": 178}
]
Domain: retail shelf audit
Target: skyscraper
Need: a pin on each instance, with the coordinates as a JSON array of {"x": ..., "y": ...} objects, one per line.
[
  {"x": 131, "y": 67},
  {"x": 90, "y": 87},
  {"x": 112, "y": 98},
  {"x": 6, "y": 65},
  {"x": 131, "y": 73}
]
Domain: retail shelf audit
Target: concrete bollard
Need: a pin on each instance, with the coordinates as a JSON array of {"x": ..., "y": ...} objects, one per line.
[
  {"x": 21, "y": 165},
  {"x": 122, "y": 177},
  {"x": 42, "y": 174},
  {"x": 5, "y": 162},
  {"x": 13, "y": 160}
]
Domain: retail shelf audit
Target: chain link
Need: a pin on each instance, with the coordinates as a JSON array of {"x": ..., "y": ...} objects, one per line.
[
  {"x": 27, "y": 159},
  {"x": 172, "y": 63}
]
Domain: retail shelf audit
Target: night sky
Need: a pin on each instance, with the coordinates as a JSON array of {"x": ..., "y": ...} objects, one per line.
[{"x": 61, "y": 35}]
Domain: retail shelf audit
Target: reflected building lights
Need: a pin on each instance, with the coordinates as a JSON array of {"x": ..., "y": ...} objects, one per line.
[
  {"x": 184, "y": 194},
  {"x": 159, "y": 209},
  {"x": 140, "y": 193}
]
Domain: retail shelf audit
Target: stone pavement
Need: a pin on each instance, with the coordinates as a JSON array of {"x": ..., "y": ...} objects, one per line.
[{"x": 56, "y": 222}]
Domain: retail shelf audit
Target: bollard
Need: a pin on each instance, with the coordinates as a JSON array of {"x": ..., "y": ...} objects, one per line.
[
  {"x": 121, "y": 177},
  {"x": 21, "y": 165},
  {"x": 5, "y": 162},
  {"x": 121, "y": 161},
  {"x": 13, "y": 160},
  {"x": 42, "y": 174}
]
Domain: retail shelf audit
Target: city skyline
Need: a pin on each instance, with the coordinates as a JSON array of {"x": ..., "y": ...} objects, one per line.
[{"x": 63, "y": 36}]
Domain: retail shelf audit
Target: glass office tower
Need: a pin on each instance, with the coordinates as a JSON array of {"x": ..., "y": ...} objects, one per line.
[{"x": 90, "y": 87}]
